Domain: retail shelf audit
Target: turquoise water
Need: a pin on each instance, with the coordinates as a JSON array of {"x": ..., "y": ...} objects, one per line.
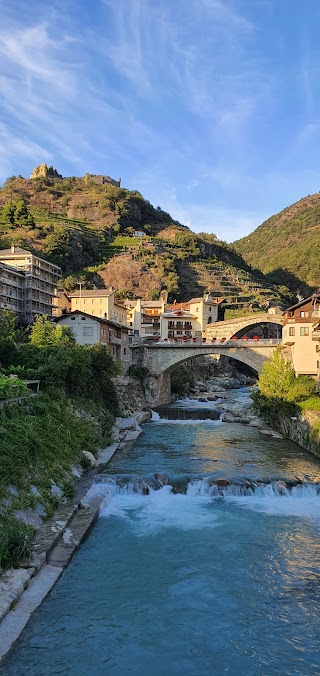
[{"x": 194, "y": 578}]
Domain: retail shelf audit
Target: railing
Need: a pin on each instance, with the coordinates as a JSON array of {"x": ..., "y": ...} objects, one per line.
[{"x": 198, "y": 342}]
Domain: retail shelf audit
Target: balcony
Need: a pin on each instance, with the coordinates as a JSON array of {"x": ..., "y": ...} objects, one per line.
[
  {"x": 115, "y": 341},
  {"x": 316, "y": 334}
]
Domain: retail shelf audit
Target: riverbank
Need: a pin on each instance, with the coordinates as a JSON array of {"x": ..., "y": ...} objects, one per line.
[{"x": 24, "y": 588}]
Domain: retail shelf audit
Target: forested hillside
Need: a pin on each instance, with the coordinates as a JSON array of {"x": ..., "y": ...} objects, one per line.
[
  {"x": 286, "y": 247},
  {"x": 89, "y": 230}
]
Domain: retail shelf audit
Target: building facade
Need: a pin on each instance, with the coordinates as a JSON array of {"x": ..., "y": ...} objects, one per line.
[
  {"x": 32, "y": 283},
  {"x": 144, "y": 317},
  {"x": 179, "y": 324},
  {"x": 97, "y": 302},
  {"x": 12, "y": 290},
  {"x": 90, "y": 330},
  {"x": 189, "y": 320},
  {"x": 301, "y": 332}
]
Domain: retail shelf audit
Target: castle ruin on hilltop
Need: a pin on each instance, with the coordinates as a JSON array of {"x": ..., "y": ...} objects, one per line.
[
  {"x": 43, "y": 171},
  {"x": 101, "y": 180}
]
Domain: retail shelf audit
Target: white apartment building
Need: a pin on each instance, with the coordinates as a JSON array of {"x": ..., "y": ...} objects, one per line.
[{"x": 27, "y": 283}]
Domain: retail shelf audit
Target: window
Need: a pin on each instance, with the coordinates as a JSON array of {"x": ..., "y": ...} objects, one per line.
[
  {"x": 83, "y": 319},
  {"x": 88, "y": 330},
  {"x": 72, "y": 319},
  {"x": 304, "y": 330},
  {"x": 291, "y": 331},
  {"x": 317, "y": 348},
  {"x": 304, "y": 314}
]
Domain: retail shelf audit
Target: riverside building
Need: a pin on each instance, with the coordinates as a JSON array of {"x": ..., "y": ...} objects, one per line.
[
  {"x": 301, "y": 332},
  {"x": 27, "y": 283}
]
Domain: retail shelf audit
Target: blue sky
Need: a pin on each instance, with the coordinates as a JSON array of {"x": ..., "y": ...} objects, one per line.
[{"x": 209, "y": 107}]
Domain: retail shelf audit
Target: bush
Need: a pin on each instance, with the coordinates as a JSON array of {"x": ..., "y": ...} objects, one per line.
[
  {"x": 12, "y": 388},
  {"x": 15, "y": 541},
  {"x": 310, "y": 404},
  {"x": 181, "y": 380},
  {"x": 302, "y": 388}
]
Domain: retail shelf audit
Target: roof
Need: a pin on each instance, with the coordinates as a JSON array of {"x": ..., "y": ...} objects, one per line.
[
  {"x": 215, "y": 300},
  {"x": 101, "y": 320},
  {"x": 178, "y": 306},
  {"x": 17, "y": 250},
  {"x": 178, "y": 313},
  {"x": 152, "y": 303},
  {"x": 8, "y": 253},
  {"x": 95, "y": 293},
  {"x": 314, "y": 298}
]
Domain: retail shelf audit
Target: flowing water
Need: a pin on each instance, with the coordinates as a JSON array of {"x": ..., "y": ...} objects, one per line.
[{"x": 205, "y": 561}]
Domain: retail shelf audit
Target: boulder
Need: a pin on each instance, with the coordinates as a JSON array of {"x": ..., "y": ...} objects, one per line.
[
  {"x": 132, "y": 435},
  {"x": 12, "y": 490},
  {"x": 56, "y": 492},
  {"x": 201, "y": 386},
  {"x": 123, "y": 424},
  {"x": 28, "y": 516},
  {"x": 88, "y": 459}
]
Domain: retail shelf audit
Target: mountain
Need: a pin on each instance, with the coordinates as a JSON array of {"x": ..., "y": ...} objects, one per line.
[
  {"x": 286, "y": 247},
  {"x": 89, "y": 227}
]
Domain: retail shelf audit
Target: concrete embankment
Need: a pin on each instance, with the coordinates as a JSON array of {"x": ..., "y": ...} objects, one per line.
[{"x": 23, "y": 589}]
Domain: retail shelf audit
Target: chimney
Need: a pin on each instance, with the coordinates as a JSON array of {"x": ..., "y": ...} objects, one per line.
[{"x": 13, "y": 248}]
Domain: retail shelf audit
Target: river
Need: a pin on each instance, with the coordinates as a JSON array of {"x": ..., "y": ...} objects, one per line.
[{"x": 205, "y": 561}]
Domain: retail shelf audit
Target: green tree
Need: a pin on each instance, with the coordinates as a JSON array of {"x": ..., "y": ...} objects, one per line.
[
  {"x": 22, "y": 217},
  {"x": 277, "y": 377},
  {"x": 7, "y": 213},
  {"x": 44, "y": 333},
  {"x": 7, "y": 337}
]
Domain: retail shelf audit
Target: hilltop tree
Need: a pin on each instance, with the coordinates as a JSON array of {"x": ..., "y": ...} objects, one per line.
[{"x": 17, "y": 214}]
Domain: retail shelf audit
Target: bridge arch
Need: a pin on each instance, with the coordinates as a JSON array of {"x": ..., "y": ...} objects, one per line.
[
  {"x": 241, "y": 325},
  {"x": 161, "y": 361}
]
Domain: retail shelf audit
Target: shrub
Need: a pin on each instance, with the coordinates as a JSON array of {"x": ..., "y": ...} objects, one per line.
[
  {"x": 12, "y": 388},
  {"x": 15, "y": 541},
  {"x": 181, "y": 380}
]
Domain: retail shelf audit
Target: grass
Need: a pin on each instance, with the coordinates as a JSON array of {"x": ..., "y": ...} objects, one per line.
[
  {"x": 311, "y": 404},
  {"x": 40, "y": 442}
]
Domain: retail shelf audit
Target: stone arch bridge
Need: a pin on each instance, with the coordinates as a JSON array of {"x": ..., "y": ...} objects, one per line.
[
  {"x": 239, "y": 325},
  {"x": 161, "y": 359}
]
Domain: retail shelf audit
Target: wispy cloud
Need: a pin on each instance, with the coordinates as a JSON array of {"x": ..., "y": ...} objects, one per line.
[{"x": 188, "y": 101}]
